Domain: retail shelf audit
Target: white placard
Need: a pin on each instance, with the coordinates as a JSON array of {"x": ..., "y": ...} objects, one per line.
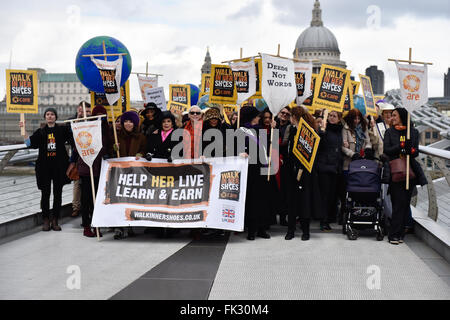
[{"x": 156, "y": 95}]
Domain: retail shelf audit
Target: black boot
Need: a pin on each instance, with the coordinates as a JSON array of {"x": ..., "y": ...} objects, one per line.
[{"x": 289, "y": 236}]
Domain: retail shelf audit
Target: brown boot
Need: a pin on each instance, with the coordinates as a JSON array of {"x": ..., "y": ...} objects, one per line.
[
  {"x": 55, "y": 226},
  {"x": 46, "y": 225}
]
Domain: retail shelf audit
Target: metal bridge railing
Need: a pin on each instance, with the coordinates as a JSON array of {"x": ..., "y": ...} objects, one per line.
[{"x": 441, "y": 159}]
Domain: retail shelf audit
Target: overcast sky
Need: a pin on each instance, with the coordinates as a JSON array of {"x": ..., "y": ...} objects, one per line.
[{"x": 173, "y": 35}]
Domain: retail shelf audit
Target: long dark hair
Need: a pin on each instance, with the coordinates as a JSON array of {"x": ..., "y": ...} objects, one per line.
[
  {"x": 350, "y": 119},
  {"x": 300, "y": 112}
]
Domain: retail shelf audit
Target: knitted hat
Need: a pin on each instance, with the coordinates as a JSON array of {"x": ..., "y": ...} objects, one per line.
[
  {"x": 212, "y": 113},
  {"x": 51, "y": 110},
  {"x": 99, "y": 109},
  {"x": 248, "y": 114},
  {"x": 132, "y": 116}
]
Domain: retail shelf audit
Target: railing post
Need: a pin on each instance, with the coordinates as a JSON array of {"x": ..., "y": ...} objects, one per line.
[
  {"x": 432, "y": 199},
  {"x": 6, "y": 159}
]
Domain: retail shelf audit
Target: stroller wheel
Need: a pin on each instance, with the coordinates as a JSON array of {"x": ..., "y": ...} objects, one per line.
[
  {"x": 352, "y": 235},
  {"x": 380, "y": 237}
]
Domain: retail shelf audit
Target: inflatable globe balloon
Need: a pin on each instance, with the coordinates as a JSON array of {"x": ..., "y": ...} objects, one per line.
[
  {"x": 194, "y": 94},
  {"x": 203, "y": 103},
  {"x": 358, "y": 102},
  {"x": 260, "y": 104},
  {"x": 86, "y": 70}
]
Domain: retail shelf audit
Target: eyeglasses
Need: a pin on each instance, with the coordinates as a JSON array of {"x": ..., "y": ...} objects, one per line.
[
  {"x": 195, "y": 113},
  {"x": 285, "y": 113}
]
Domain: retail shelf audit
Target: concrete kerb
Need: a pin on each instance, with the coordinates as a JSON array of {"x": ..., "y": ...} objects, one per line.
[{"x": 27, "y": 223}]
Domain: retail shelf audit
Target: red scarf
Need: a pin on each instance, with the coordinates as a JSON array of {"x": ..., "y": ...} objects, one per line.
[{"x": 192, "y": 137}]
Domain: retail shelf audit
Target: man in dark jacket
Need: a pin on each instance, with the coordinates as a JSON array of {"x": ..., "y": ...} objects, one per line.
[{"x": 51, "y": 164}]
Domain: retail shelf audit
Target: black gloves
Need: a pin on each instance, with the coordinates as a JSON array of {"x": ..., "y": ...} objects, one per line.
[
  {"x": 149, "y": 156},
  {"x": 369, "y": 154},
  {"x": 356, "y": 156}
]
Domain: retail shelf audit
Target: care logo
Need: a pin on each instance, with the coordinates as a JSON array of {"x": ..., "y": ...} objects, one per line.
[
  {"x": 84, "y": 139},
  {"x": 411, "y": 83}
]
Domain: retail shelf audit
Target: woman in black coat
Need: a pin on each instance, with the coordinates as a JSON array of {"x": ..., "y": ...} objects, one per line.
[
  {"x": 51, "y": 165},
  {"x": 257, "y": 215},
  {"x": 329, "y": 165},
  {"x": 159, "y": 143},
  {"x": 397, "y": 146},
  {"x": 304, "y": 195}
]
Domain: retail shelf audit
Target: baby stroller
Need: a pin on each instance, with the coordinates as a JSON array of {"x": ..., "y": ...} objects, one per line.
[{"x": 364, "y": 199}]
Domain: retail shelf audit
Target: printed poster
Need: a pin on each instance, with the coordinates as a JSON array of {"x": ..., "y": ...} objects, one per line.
[
  {"x": 206, "y": 80},
  {"x": 308, "y": 102},
  {"x": 182, "y": 194},
  {"x": 368, "y": 95},
  {"x": 278, "y": 82},
  {"x": 331, "y": 88},
  {"x": 244, "y": 79},
  {"x": 21, "y": 91},
  {"x": 177, "y": 108},
  {"x": 120, "y": 106},
  {"x": 306, "y": 143},
  {"x": 413, "y": 85},
  {"x": 156, "y": 95},
  {"x": 147, "y": 83},
  {"x": 303, "y": 73},
  {"x": 111, "y": 74},
  {"x": 222, "y": 88},
  {"x": 180, "y": 93},
  {"x": 88, "y": 139}
]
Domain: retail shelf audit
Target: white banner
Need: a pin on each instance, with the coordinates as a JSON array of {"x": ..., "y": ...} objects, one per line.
[
  {"x": 111, "y": 74},
  {"x": 147, "y": 83},
  {"x": 88, "y": 139},
  {"x": 182, "y": 194},
  {"x": 278, "y": 82},
  {"x": 413, "y": 85},
  {"x": 244, "y": 78},
  {"x": 156, "y": 95},
  {"x": 303, "y": 73}
]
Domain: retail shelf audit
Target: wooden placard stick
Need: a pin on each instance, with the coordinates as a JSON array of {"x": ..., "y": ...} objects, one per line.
[
  {"x": 148, "y": 73},
  {"x": 271, "y": 146},
  {"x": 325, "y": 119},
  {"x": 22, "y": 128},
  {"x": 299, "y": 174}
]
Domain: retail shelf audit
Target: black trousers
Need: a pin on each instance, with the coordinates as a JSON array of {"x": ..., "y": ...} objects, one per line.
[
  {"x": 257, "y": 207},
  {"x": 294, "y": 210},
  {"x": 401, "y": 201},
  {"x": 328, "y": 195},
  {"x": 57, "y": 197},
  {"x": 87, "y": 204}
]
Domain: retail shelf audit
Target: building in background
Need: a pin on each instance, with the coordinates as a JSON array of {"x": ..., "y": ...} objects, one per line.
[
  {"x": 377, "y": 79},
  {"x": 318, "y": 43},
  {"x": 447, "y": 83}
]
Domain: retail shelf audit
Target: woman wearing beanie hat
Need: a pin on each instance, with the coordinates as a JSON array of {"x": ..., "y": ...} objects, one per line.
[
  {"x": 51, "y": 165},
  {"x": 131, "y": 143},
  {"x": 396, "y": 146}
]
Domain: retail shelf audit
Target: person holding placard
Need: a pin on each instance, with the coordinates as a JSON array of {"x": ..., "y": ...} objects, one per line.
[
  {"x": 303, "y": 187},
  {"x": 256, "y": 203},
  {"x": 51, "y": 165},
  {"x": 397, "y": 147},
  {"x": 87, "y": 205},
  {"x": 329, "y": 166}
]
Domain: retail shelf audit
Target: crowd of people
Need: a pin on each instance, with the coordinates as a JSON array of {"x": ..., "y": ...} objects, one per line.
[{"x": 287, "y": 198}]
